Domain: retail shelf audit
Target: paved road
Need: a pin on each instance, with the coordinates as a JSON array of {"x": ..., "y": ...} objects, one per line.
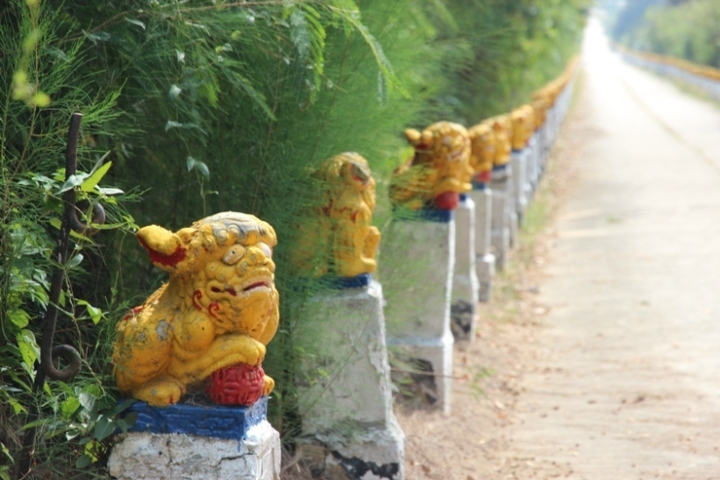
[{"x": 630, "y": 385}]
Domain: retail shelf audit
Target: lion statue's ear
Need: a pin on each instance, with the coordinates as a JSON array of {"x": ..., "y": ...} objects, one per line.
[
  {"x": 413, "y": 136},
  {"x": 165, "y": 248}
]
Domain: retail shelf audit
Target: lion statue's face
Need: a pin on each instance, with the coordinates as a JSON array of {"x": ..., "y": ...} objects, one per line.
[
  {"x": 440, "y": 145},
  {"x": 224, "y": 266}
]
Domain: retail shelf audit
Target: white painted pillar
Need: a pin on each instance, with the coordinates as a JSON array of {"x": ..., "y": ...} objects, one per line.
[
  {"x": 463, "y": 308},
  {"x": 197, "y": 443},
  {"x": 417, "y": 262},
  {"x": 345, "y": 395},
  {"x": 520, "y": 160},
  {"x": 484, "y": 259},
  {"x": 501, "y": 191}
]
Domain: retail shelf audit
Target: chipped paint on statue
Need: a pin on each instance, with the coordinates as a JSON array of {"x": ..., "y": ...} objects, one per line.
[
  {"x": 218, "y": 309},
  {"x": 439, "y": 171}
]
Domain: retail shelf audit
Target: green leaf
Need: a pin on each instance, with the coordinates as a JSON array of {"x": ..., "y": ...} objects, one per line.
[
  {"x": 87, "y": 400},
  {"x": 109, "y": 191},
  {"x": 29, "y": 349},
  {"x": 135, "y": 22},
  {"x": 83, "y": 461},
  {"x": 172, "y": 124},
  {"x": 75, "y": 261},
  {"x": 5, "y": 452},
  {"x": 103, "y": 429},
  {"x": 91, "y": 182},
  {"x": 201, "y": 166},
  {"x": 16, "y": 406},
  {"x": 20, "y": 318},
  {"x": 174, "y": 92},
  {"x": 69, "y": 406},
  {"x": 72, "y": 182},
  {"x": 203, "y": 169},
  {"x": 97, "y": 36},
  {"x": 95, "y": 313}
]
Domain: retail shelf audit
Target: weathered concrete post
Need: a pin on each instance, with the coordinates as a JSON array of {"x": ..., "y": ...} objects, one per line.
[
  {"x": 465, "y": 288},
  {"x": 187, "y": 333},
  {"x": 418, "y": 255},
  {"x": 504, "y": 217},
  {"x": 523, "y": 125},
  {"x": 418, "y": 300},
  {"x": 482, "y": 155},
  {"x": 345, "y": 398}
]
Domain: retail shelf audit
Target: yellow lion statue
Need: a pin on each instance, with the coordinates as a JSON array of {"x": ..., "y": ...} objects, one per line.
[
  {"x": 523, "y": 126},
  {"x": 439, "y": 171},
  {"x": 503, "y": 130},
  {"x": 482, "y": 148},
  {"x": 341, "y": 230},
  {"x": 218, "y": 309}
]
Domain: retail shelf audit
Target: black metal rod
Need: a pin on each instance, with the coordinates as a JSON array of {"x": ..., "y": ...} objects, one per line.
[{"x": 48, "y": 353}]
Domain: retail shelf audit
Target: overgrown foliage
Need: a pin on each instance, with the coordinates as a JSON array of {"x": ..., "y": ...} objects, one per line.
[
  {"x": 685, "y": 30},
  {"x": 205, "y": 106}
]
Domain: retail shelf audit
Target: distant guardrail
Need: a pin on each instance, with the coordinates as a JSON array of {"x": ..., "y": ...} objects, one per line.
[{"x": 701, "y": 76}]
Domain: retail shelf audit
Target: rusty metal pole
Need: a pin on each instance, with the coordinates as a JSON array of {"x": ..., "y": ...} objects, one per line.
[{"x": 48, "y": 353}]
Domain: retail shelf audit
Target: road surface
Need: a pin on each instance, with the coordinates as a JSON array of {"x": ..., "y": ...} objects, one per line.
[{"x": 629, "y": 386}]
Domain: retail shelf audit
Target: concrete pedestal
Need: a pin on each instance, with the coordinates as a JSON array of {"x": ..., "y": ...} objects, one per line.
[
  {"x": 484, "y": 260},
  {"x": 520, "y": 160},
  {"x": 463, "y": 309},
  {"x": 345, "y": 397},
  {"x": 502, "y": 196},
  {"x": 533, "y": 166},
  {"x": 246, "y": 446},
  {"x": 547, "y": 147},
  {"x": 417, "y": 260}
]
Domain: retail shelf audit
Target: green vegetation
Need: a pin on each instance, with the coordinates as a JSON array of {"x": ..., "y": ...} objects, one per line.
[
  {"x": 685, "y": 30},
  {"x": 203, "y": 106}
]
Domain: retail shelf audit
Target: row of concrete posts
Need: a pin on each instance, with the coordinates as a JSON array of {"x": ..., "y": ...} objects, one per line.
[{"x": 437, "y": 261}]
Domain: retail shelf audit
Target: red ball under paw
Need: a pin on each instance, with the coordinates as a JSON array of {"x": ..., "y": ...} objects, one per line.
[
  {"x": 447, "y": 201},
  {"x": 238, "y": 385}
]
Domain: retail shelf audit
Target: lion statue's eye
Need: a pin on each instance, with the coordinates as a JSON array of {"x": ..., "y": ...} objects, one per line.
[
  {"x": 265, "y": 249},
  {"x": 233, "y": 255}
]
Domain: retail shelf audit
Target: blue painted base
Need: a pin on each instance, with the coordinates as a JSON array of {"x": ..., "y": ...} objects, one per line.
[
  {"x": 500, "y": 168},
  {"x": 424, "y": 214},
  {"x": 217, "y": 421},
  {"x": 343, "y": 283},
  {"x": 479, "y": 185},
  {"x": 463, "y": 197}
]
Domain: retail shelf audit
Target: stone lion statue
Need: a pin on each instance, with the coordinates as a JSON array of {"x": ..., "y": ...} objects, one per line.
[
  {"x": 438, "y": 172},
  {"x": 523, "y": 126},
  {"x": 482, "y": 148},
  {"x": 340, "y": 231},
  {"x": 218, "y": 309}
]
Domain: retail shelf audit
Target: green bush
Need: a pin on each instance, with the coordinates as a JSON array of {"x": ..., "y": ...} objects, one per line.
[{"x": 686, "y": 30}]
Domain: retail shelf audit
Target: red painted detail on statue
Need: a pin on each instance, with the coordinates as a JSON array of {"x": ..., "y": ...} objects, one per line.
[
  {"x": 240, "y": 384},
  {"x": 447, "y": 201},
  {"x": 213, "y": 308},
  {"x": 197, "y": 296},
  {"x": 483, "y": 177},
  {"x": 133, "y": 312},
  {"x": 162, "y": 259}
]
